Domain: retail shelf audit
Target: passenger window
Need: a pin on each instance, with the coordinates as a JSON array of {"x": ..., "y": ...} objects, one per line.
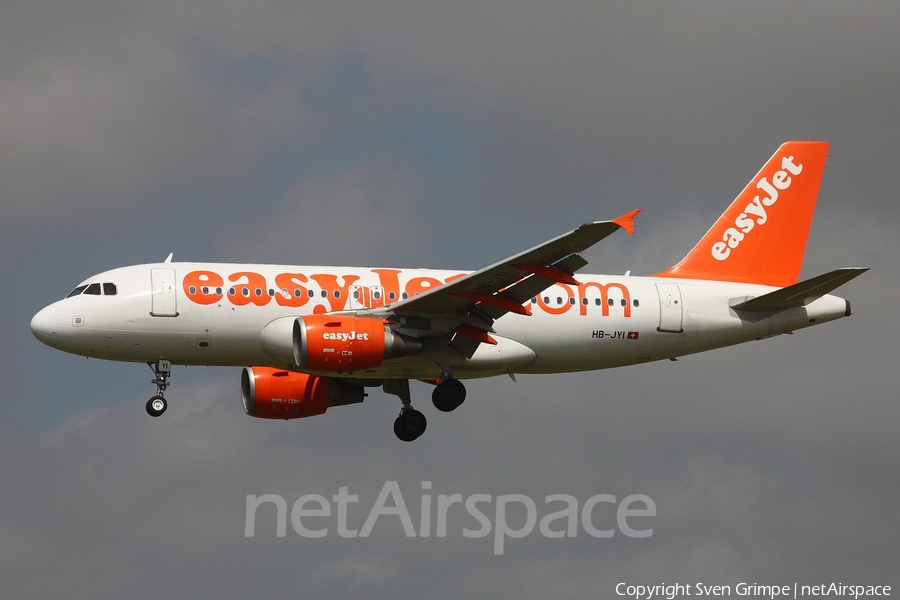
[
  {"x": 109, "y": 289},
  {"x": 93, "y": 289},
  {"x": 76, "y": 291}
]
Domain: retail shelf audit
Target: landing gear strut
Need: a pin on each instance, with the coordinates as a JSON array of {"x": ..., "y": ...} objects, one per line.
[
  {"x": 411, "y": 423},
  {"x": 447, "y": 396},
  {"x": 157, "y": 405}
]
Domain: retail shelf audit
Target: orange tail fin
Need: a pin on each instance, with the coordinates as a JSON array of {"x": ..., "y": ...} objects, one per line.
[{"x": 761, "y": 238}]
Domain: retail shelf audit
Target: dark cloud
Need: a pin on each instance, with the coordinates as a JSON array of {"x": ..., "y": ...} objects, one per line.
[
  {"x": 446, "y": 135},
  {"x": 358, "y": 205}
]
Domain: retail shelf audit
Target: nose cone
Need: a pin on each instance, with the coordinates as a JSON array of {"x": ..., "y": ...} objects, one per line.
[{"x": 45, "y": 325}]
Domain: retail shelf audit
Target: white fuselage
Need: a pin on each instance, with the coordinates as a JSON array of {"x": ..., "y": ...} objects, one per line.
[{"x": 215, "y": 314}]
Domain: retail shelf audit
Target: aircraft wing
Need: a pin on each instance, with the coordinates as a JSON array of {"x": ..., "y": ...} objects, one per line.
[{"x": 468, "y": 306}]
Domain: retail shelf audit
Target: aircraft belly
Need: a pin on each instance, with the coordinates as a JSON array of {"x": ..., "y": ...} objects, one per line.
[{"x": 576, "y": 342}]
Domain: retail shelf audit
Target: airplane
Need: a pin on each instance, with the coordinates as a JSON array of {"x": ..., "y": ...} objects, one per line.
[{"x": 311, "y": 337}]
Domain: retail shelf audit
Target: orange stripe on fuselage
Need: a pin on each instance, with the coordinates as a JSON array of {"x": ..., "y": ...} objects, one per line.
[{"x": 296, "y": 289}]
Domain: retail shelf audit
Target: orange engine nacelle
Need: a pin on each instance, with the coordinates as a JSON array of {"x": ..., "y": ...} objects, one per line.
[
  {"x": 337, "y": 344},
  {"x": 279, "y": 394}
]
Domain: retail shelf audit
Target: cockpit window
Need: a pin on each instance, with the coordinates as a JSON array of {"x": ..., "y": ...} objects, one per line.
[
  {"x": 94, "y": 289},
  {"x": 76, "y": 291}
]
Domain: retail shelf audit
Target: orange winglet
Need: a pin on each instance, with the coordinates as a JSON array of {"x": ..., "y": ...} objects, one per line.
[
  {"x": 557, "y": 275},
  {"x": 470, "y": 331},
  {"x": 626, "y": 221},
  {"x": 498, "y": 301}
]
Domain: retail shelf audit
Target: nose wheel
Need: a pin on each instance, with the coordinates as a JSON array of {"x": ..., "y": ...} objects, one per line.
[{"x": 157, "y": 405}]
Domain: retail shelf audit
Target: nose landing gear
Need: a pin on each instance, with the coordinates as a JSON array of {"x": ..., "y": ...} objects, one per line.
[{"x": 157, "y": 405}]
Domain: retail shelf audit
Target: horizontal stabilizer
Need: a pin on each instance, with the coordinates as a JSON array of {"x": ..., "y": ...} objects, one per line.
[{"x": 799, "y": 294}]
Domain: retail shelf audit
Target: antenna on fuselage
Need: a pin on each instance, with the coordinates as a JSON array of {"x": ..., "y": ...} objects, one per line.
[{"x": 169, "y": 257}]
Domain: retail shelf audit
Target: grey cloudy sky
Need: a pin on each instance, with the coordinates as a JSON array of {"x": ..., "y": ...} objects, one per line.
[{"x": 443, "y": 135}]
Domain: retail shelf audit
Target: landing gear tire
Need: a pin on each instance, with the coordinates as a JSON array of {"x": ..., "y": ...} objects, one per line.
[
  {"x": 448, "y": 395},
  {"x": 156, "y": 406},
  {"x": 410, "y": 425}
]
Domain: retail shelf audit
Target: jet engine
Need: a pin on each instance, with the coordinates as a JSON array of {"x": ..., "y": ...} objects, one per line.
[
  {"x": 270, "y": 393},
  {"x": 334, "y": 343}
]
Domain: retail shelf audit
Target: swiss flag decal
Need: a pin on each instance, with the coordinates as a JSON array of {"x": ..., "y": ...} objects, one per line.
[{"x": 633, "y": 335}]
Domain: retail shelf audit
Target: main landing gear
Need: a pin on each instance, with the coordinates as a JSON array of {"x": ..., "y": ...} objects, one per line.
[
  {"x": 410, "y": 424},
  {"x": 157, "y": 405},
  {"x": 448, "y": 395}
]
